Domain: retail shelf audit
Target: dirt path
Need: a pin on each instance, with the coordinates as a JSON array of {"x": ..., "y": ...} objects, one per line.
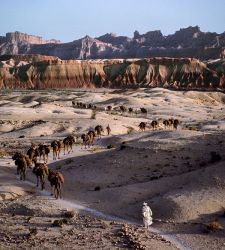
[{"x": 65, "y": 204}]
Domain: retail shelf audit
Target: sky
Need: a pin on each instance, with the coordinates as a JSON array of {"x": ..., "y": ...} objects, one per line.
[{"x": 68, "y": 20}]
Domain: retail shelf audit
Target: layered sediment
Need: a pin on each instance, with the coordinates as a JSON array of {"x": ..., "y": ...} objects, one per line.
[{"x": 48, "y": 72}]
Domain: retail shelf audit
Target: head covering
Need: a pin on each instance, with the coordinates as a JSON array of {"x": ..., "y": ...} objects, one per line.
[{"x": 145, "y": 204}]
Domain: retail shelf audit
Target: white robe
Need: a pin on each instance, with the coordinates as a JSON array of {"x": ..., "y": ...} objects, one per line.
[{"x": 147, "y": 216}]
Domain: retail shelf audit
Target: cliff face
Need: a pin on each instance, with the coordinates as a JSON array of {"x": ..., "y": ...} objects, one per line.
[
  {"x": 119, "y": 73},
  {"x": 20, "y": 43},
  {"x": 14, "y": 37},
  {"x": 188, "y": 42}
]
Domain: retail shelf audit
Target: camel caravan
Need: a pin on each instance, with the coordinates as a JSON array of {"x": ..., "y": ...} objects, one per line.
[
  {"x": 155, "y": 125},
  {"x": 122, "y": 109},
  {"x": 168, "y": 124},
  {"x": 35, "y": 154},
  {"x": 38, "y": 155}
]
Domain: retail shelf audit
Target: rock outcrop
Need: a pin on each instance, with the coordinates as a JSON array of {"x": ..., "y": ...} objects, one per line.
[
  {"x": 188, "y": 42},
  {"x": 18, "y": 37},
  {"x": 21, "y": 43},
  {"x": 176, "y": 73}
]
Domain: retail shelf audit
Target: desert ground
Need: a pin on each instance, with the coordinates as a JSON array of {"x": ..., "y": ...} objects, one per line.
[{"x": 178, "y": 172}]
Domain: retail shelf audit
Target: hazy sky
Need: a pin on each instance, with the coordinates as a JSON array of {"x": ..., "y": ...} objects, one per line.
[{"x": 68, "y": 20}]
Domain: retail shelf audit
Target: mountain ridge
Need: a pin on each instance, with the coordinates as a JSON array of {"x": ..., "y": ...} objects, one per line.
[{"x": 187, "y": 42}]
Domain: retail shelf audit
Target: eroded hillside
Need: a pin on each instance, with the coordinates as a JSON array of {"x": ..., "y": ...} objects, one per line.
[{"x": 35, "y": 72}]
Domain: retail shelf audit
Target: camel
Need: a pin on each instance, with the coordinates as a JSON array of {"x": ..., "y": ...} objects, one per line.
[
  {"x": 130, "y": 110},
  {"x": 108, "y": 108},
  {"x": 57, "y": 145},
  {"x": 166, "y": 123},
  {"x": 44, "y": 152},
  {"x": 123, "y": 109},
  {"x": 33, "y": 153},
  {"x": 142, "y": 126},
  {"x": 176, "y": 122},
  {"x": 84, "y": 106},
  {"x": 40, "y": 170},
  {"x": 99, "y": 130},
  {"x": 108, "y": 130},
  {"x": 21, "y": 167},
  {"x": 68, "y": 143},
  {"x": 80, "y": 104},
  {"x": 92, "y": 136},
  {"x": 56, "y": 180},
  {"x": 171, "y": 121},
  {"x": 144, "y": 111},
  {"x": 22, "y": 162},
  {"x": 86, "y": 140},
  {"x": 155, "y": 125}
]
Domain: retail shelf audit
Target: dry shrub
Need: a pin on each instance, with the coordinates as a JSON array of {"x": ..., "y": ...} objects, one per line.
[
  {"x": 130, "y": 130},
  {"x": 32, "y": 232},
  {"x": 214, "y": 226},
  {"x": 2, "y": 153},
  {"x": 104, "y": 225},
  {"x": 57, "y": 223},
  {"x": 97, "y": 188},
  {"x": 194, "y": 128},
  {"x": 69, "y": 214},
  {"x": 96, "y": 149},
  {"x": 93, "y": 114}
]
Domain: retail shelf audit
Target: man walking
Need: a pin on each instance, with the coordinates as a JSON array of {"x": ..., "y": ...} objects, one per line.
[{"x": 147, "y": 215}]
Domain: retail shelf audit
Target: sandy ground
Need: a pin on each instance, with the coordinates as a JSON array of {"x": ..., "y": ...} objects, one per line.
[{"x": 173, "y": 170}]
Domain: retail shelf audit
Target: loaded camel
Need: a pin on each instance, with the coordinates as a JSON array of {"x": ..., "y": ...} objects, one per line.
[
  {"x": 99, "y": 130},
  {"x": 142, "y": 126},
  {"x": 130, "y": 110},
  {"x": 56, "y": 180},
  {"x": 176, "y": 122},
  {"x": 68, "y": 144},
  {"x": 57, "y": 145},
  {"x": 166, "y": 124},
  {"x": 33, "y": 153},
  {"x": 92, "y": 136},
  {"x": 154, "y": 124},
  {"x": 108, "y": 108},
  {"x": 22, "y": 162},
  {"x": 41, "y": 170},
  {"x": 87, "y": 140},
  {"x": 44, "y": 152},
  {"x": 144, "y": 111},
  {"x": 39, "y": 151},
  {"x": 123, "y": 109}
]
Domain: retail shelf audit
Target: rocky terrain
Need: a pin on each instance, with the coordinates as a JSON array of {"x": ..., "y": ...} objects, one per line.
[
  {"x": 41, "y": 72},
  {"x": 32, "y": 222},
  {"x": 187, "y": 42}
]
